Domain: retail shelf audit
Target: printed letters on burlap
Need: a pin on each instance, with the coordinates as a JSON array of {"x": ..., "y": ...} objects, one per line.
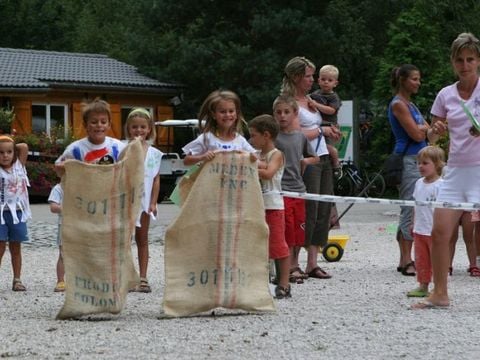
[
  {"x": 216, "y": 251},
  {"x": 100, "y": 205}
]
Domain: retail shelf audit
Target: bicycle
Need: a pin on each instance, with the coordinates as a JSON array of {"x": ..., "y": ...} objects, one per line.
[{"x": 356, "y": 182}]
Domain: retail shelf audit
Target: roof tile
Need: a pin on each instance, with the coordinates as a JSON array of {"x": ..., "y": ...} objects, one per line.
[{"x": 20, "y": 68}]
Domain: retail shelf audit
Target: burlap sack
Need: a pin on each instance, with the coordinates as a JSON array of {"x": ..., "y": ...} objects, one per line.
[
  {"x": 100, "y": 205},
  {"x": 216, "y": 251}
]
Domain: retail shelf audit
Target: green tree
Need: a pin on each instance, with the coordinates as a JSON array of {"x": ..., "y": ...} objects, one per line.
[
  {"x": 35, "y": 24},
  {"x": 413, "y": 39}
]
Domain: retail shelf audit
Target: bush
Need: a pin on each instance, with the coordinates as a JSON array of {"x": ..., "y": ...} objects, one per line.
[
  {"x": 42, "y": 178},
  {"x": 44, "y": 150},
  {"x": 6, "y": 118}
]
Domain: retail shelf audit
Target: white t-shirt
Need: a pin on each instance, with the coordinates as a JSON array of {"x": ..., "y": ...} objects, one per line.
[
  {"x": 83, "y": 150},
  {"x": 464, "y": 148},
  {"x": 312, "y": 120},
  {"x": 273, "y": 201},
  {"x": 56, "y": 196},
  {"x": 14, "y": 192},
  {"x": 423, "y": 219},
  {"x": 209, "y": 142},
  {"x": 153, "y": 159}
]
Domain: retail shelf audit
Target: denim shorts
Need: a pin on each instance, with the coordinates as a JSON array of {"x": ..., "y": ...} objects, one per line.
[{"x": 13, "y": 232}]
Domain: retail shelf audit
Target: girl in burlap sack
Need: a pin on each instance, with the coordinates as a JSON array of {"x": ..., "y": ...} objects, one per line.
[
  {"x": 14, "y": 203},
  {"x": 220, "y": 120},
  {"x": 140, "y": 124}
]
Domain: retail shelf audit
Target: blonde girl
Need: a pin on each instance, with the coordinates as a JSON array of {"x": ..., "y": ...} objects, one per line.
[
  {"x": 220, "y": 120},
  {"x": 430, "y": 162},
  {"x": 14, "y": 203},
  {"x": 140, "y": 125}
]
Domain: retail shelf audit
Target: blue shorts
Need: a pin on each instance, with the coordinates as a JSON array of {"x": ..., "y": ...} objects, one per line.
[{"x": 13, "y": 232}]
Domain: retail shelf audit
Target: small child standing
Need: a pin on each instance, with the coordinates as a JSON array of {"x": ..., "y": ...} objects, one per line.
[
  {"x": 263, "y": 132},
  {"x": 96, "y": 147},
  {"x": 14, "y": 203},
  {"x": 55, "y": 200},
  {"x": 430, "y": 163},
  {"x": 222, "y": 114},
  {"x": 140, "y": 124},
  {"x": 327, "y": 101},
  {"x": 298, "y": 153}
]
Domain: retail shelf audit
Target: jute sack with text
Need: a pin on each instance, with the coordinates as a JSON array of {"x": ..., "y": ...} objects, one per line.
[
  {"x": 100, "y": 205},
  {"x": 216, "y": 251}
]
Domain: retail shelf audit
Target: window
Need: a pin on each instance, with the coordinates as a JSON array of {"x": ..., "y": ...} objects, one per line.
[{"x": 47, "y": 117}]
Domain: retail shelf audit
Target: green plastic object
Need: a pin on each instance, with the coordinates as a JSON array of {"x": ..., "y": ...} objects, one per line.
[
  {"x": 391, "y": 229},
  {"x": 175, "y": 195},
  {"x": 472, "y": 118}
]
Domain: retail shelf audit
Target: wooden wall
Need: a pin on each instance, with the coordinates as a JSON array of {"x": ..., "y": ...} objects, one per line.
[{"x": 23, "y": 110}]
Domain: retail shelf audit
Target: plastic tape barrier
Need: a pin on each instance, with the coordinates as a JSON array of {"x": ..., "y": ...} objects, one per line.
[{"x": 362, "y": 200}]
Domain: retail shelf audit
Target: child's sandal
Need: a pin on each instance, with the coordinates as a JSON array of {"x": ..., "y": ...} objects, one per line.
[
  {"x": 144, "y": 287},
  {"x": 296, "y": 276},
  {"x": 282, "y": 292},
  {"x": 18, "y": 286},
  {"x": 474, "y": 271},
  {"x": 60, "y": 287}
]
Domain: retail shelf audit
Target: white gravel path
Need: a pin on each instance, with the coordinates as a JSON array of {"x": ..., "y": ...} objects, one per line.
[{"x": 361, "y": 313}]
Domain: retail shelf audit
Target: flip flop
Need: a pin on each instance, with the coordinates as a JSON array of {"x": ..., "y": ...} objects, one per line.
[
  {"x": 405, "y": 271},
  {"x": 319, "y": 273},
  {"x": 427, "y": 304},
  {"x": 417, "y": 293}
]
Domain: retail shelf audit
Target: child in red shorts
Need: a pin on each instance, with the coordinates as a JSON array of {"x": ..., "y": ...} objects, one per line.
[
  {"x": 297, "y": 151},
  {"x": 263, "y": 131}
]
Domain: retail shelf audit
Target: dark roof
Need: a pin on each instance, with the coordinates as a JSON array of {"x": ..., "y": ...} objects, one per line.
[{"x": 41, "y": 70}]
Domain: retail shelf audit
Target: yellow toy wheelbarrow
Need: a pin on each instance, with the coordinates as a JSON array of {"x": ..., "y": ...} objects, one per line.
[{"x": 336, "y": 244}]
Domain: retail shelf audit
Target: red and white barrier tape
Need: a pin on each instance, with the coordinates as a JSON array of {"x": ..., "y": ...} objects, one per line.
[{"x": 363, "y": 200}]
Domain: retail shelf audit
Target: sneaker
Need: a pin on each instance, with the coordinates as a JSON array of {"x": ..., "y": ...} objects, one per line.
[
  {"x": 418, "y": 292},
  {"x": 60, "y": 287},
  {"x": 337, "y": 172}
]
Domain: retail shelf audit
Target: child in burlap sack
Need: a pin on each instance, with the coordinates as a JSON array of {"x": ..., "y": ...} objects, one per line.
[
  {"x": 222, "y": 114},
  {"x": 96, "y": 147},
  {"x": 140, "y": 124},
  {"x": 99, "y": 216},
  {"x": 220, "y": 260}
]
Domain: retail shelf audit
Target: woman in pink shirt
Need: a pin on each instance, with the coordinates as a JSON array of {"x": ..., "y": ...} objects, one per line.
[{"x": 461, "y": 179}]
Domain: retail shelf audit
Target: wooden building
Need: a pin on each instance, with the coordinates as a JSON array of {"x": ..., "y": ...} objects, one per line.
[{"x": 46, "y": 90}]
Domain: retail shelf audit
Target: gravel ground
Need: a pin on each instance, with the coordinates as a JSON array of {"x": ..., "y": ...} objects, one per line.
[{"x": 361, "y": 313}]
